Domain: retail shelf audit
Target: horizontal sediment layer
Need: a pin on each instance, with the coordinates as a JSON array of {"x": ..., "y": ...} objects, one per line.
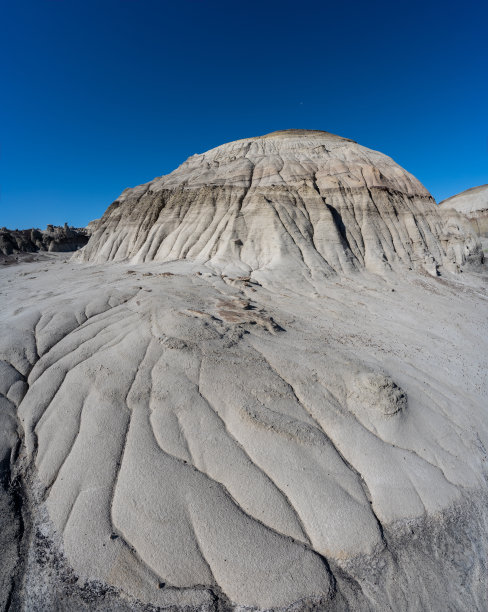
[{"x": 305, "y": 200}]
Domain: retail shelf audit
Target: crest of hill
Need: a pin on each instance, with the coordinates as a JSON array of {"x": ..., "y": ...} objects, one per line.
[
  {"x": 473, "y": 204},
  {"x": 468, "y": 201},
  {"x": 298, "y": 132},
  {"x": 301, "y": 200}
]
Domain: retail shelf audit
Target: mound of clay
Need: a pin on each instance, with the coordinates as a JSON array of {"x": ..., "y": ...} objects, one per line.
[
  {"x": 185, "y": 439},
  {"x": 304, "y": 200},
  {"x": 266, "y": 423},
  {"x": 473, "y": 204},
  {"x": 53, "y": 238}
]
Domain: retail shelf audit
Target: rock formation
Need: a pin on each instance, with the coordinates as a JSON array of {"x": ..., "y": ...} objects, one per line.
[
  {"x": 473, "y": 204},
  {"x": 309, "y": 200},
  {"x": 92, "y": 226},
  {"x": 263, "y": 408},
  {"x": 53, "y": 239}
]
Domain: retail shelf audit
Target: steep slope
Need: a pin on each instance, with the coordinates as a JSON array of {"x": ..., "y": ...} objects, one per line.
[
  {"x": 473, "y": 204},
  {"x": 297, "y": 200}
]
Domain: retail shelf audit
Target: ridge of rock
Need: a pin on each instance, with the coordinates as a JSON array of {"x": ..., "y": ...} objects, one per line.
[
  {"x": 465, "y": 201},
  {"x": 53, "y": 239},
  {"x": 473, "y": 204},
  {"x": 297, "y": 132}
]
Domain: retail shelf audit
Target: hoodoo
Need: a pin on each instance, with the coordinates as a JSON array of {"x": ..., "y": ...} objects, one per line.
[{"x": 300, "y": 199}]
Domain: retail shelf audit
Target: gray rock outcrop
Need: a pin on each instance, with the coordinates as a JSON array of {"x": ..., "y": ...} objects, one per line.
[
  {"x": 304, "y": 199},
  {"x": 53, "y": 239},
  {"x": 92, "y": 226},
  {"x": 472, "y": 204}
]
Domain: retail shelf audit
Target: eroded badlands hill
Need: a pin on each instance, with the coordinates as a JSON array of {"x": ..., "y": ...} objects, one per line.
[
  {"x": 473, "y": 203},
  {"x": 52, "y": 239},
  {"x": 303, "y": 200},
  {"x": 310, "y": 435}
]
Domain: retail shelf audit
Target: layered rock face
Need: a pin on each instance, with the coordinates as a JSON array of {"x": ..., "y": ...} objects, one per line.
[
  {"x": 300, "y": 199},
  {"x": 473, "y": 204}
]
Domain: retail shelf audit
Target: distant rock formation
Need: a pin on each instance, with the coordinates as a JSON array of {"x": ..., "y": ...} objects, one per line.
[
  {"x": 53, "y": 238},
  {"x": 92, "y": 226},
  {"x": 473, "y": 204},
  {"x": 305, "y": 199}
]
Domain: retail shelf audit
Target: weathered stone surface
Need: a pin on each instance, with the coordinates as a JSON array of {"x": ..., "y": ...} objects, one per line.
[
  {"x": 300, "y": 199},
  {"x": 92, "y": 226},
  {"x": 53, "y": 238},
  {"x": 244, "y": 444},
  {"x": 472, "y": 204},
  {"x": 287, "y": 418}
]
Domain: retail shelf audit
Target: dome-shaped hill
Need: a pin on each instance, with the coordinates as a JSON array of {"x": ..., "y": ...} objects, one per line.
[{"x": 295, "y": 198}]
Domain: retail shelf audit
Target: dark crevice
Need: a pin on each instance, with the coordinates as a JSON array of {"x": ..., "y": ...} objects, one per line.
[
  {"x": 15, "y": 492},
  {"x": 339, "y": 224}
]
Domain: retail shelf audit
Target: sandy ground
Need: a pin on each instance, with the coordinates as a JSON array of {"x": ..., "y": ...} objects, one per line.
[{"x": 188, "y": 438}]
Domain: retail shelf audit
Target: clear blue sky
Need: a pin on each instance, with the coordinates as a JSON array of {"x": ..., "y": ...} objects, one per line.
[{"x": 101, "y": 95}]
